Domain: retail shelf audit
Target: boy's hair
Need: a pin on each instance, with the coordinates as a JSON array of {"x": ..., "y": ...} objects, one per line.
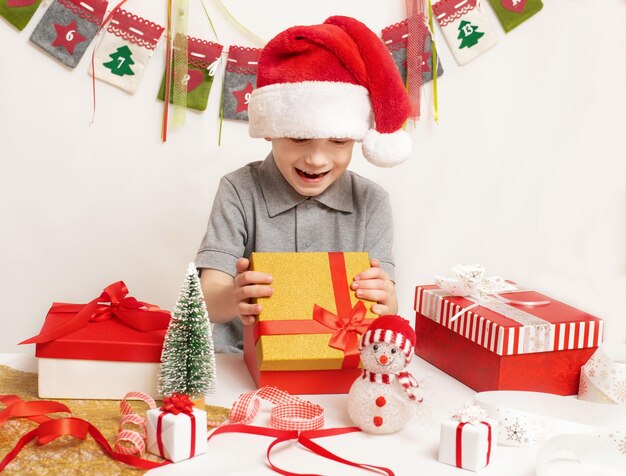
[{"x": 336, "y": 80}]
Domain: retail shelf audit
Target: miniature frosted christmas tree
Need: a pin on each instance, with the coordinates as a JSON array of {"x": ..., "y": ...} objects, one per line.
[{"x": 188, "y": 358}]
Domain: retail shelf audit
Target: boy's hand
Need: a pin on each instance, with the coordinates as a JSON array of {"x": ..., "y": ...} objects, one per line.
[
  {"x": 246, "y": 286},
  {"x": 374, "y": 284}
]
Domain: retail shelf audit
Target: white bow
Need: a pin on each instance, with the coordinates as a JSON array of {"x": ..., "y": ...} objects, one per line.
[
  {"x": 472, "y": 414},
  {"x": 471, "y": 283}
]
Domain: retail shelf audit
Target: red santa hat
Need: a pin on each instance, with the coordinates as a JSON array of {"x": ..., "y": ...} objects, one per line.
[
  {"x": 334, "y": 80},
  {"x": 391, "y": 330}
]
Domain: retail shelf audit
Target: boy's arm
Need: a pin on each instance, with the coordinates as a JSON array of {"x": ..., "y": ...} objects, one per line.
[{"x": 227, "y": 297}]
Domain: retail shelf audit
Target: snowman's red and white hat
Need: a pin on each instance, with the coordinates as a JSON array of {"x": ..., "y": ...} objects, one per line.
[
  {"x": 393, "y": 330},
  {"x": 334, "y": 80}
]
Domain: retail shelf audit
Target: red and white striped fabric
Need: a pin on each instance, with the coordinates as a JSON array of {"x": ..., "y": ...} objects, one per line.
[
  {"x": 391, "y": 330},
  {"x": 405, "y": 379},
  {"x": 289, "y": 412},
  {"x": 132, "y": 441},
  {"x": 506, "y": 329}
]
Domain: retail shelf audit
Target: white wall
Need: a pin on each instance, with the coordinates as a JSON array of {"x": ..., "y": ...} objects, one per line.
[{"x": 525, "y": 172}]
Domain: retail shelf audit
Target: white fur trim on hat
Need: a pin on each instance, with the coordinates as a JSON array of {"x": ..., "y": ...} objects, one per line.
[
  {"x": 310, "y": 110},
  {"x": 386, "y": 150}
]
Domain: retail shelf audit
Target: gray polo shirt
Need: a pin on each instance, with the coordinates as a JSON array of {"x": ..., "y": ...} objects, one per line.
[{"x": 255, "y": 209}]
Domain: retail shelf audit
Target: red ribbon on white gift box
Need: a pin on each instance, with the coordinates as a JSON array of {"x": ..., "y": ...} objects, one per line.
[
  {"x": 459, "y": 442},
  {"x": 175, "y": 405}
]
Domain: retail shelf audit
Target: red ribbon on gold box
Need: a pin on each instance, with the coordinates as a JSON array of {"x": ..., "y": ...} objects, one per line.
[{"x": 306, "y": 338}]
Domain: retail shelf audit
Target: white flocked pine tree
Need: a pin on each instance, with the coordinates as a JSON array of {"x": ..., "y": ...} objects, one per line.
[{"x": 188, "y": 357}]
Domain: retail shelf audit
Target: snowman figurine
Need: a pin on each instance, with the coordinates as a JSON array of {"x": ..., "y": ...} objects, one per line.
[{"x": 382, "y": 399}]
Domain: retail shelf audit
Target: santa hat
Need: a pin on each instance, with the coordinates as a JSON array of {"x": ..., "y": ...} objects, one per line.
[
  {"x": 391, "y": 330},
  {"x": 334, "y": 80}
]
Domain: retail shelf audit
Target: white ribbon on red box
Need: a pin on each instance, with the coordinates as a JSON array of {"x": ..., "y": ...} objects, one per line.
[{"x": 534, "y": 335}]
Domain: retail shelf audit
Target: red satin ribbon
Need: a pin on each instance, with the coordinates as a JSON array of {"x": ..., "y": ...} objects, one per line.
[
  {"x": 305, "y": 439},
  {"x": 52, "y": 428},
  {"x": 113, "y": 302},
  {"x": 36, "y": 411},
  {"x": 175, "y": 404},
  {"x": 459, "y": 444},
  {"x": 349, "y": 320}
]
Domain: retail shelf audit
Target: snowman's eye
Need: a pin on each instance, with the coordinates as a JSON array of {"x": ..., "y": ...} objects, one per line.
[
  {"x": 375, "y": 347},
  {"x": 393, "y": 351}
]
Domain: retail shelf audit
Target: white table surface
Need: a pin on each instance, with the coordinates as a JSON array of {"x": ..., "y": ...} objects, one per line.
[{"x": 410, "y": 452}]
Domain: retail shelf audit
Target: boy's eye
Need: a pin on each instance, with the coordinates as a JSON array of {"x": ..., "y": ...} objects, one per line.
[
  {"x": 339, "y": 141},
  {"x": 299, "y": 141}
]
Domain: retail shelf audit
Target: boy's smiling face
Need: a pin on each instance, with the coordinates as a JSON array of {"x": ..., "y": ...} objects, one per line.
[{"x": 312, "y": 165}]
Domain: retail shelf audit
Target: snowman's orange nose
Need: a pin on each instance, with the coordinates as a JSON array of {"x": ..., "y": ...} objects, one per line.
[{"x": 383, "y": 359}]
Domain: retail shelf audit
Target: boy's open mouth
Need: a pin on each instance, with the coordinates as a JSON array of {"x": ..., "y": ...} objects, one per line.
[{"x": 307, "y": 175}]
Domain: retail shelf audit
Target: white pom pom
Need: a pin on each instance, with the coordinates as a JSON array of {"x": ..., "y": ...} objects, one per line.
[{"x": 386, "y": 150}]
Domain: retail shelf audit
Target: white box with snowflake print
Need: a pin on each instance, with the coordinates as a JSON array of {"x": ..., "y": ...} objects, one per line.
[{"x": 466, "y": 445}]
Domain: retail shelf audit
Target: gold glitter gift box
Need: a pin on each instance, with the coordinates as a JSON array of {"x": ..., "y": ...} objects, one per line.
[{"x": 305, "y": 340}]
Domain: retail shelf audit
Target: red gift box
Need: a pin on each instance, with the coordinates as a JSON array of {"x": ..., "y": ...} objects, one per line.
[
  {"x": 114, "y": 329},
  {"x": 500, "y": 346}
]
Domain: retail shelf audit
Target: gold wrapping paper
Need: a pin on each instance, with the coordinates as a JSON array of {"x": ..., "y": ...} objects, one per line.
[
  {"x": 69, "y": 456},
  {"x": 301, "y": 280}
]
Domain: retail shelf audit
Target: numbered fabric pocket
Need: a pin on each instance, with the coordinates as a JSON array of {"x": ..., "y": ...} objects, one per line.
[
  {"x": 203, "y": 58},
  {"x": 68, "y": 27},
  {"x": 468, "y": 30},
  {"x": 396, "y": 37},
  {"x": 18, "y": 12},
  {"x": 512, "y": 13},
  {"x": 239, "y": 81},
  {"x": 125, "y": 50}
]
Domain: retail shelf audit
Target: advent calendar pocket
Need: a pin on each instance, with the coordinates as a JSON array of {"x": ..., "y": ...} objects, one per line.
[
  {"x": 239, "y": 81},
  {"x": 469, "y": 31},
  {"x": 67, "y": 28},
  {"x": 18, "y": 12},
  {"x": 396, "y": 37},
  {"x": 125, "y": 49},
  {"x": 512, "y": 13},
  {"x": 202, "y": 65}
]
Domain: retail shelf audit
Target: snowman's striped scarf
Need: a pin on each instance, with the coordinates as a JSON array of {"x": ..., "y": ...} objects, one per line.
[{"x": 405, "y": 379}]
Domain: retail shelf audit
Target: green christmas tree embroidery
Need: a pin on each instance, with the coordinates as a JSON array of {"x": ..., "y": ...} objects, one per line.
[
  {"x": 468, "y": 34},
  {"x": 188, "y": 358},
  {"x": 121, "y": 61}
]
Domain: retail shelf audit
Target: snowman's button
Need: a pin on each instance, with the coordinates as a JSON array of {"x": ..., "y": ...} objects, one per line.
[
  {"x": 381, "y": 402},
  {"x": 378, "y": 421}
]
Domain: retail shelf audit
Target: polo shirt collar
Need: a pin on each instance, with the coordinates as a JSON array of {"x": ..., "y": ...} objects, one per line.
[{"x": 280, "y": 196}]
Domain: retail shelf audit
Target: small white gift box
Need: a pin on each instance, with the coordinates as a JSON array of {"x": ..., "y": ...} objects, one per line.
[
  {"x": 172, "y": 438},
  {"x": 468, "y": 445}
]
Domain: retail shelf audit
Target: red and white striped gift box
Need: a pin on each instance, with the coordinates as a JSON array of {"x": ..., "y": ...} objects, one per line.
[
  {"x": 507, "y": 340},
  {"x": 508, "y": 329}
]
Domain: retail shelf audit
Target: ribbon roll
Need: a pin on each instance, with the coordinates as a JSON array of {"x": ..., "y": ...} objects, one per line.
[
  {"x": 528, "y": 419},
  {"x": 603, "y": 377},
  {"x": 579, "y": 454}
]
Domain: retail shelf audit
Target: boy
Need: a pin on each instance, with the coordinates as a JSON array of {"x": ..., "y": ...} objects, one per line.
[{"x": 319, "y": 89}]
